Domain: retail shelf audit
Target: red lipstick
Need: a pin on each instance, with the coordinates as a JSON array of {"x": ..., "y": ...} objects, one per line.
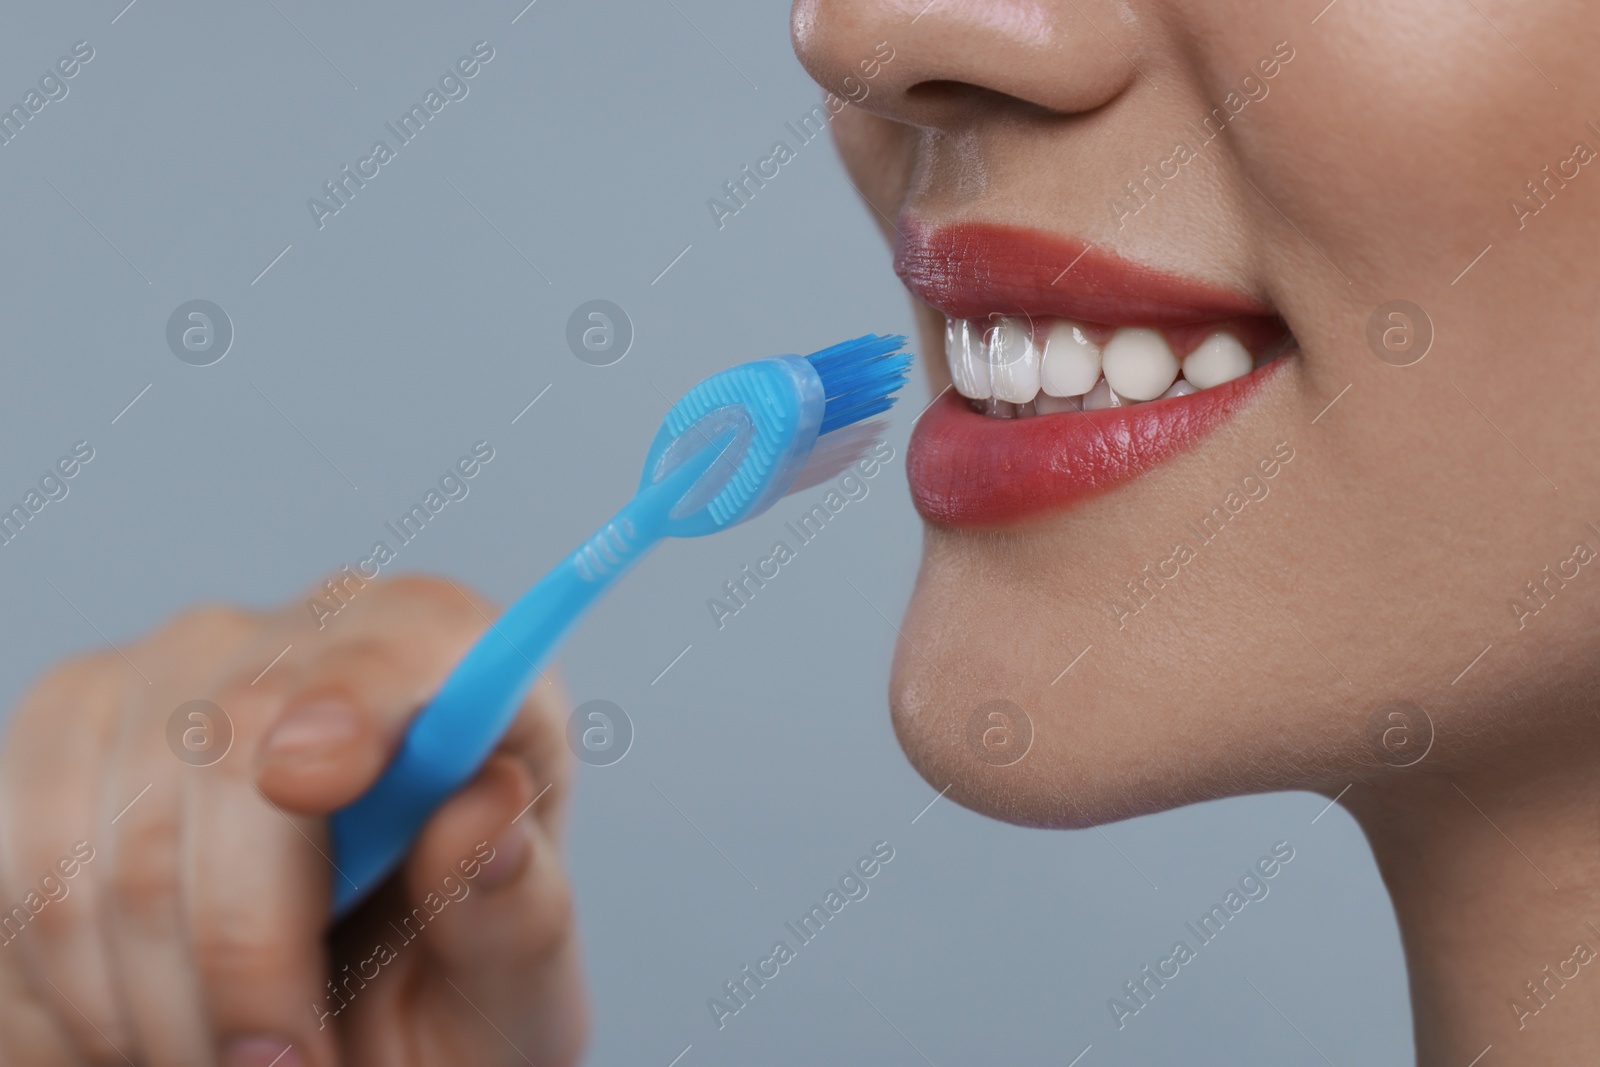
[
  {"x": 972, "y": 270},
  {"x": 968, "y": 469}
]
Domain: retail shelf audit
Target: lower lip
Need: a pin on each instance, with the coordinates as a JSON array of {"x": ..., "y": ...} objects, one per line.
[{"x": 968, "y": 469}]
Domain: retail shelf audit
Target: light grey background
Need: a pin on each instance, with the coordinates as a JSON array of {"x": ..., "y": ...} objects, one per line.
[{"x": 410, "y": 327}]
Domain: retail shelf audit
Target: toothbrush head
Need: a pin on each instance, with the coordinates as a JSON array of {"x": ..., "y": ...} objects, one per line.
[
  {"x": 860, "y": 378},
  {"x": 763, "y": 419}
]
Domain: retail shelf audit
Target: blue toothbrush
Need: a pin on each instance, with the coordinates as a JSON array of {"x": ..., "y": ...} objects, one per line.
[{"x": 725, "y": 453}]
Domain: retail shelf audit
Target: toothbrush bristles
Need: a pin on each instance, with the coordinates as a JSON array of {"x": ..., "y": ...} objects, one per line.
[{"x": 860, "y": 377}]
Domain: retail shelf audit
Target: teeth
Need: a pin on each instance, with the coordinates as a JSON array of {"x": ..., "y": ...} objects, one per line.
[
  {"x": 1071, "y": 362},
  {"x": 1100, "y": 397},
  {"x": 1045, "y": 404},
  {"x": 1139, "y": 364},
  {"x": 969, "y": 368},
  {"x": 1010, "y": 369},
  {"x": 1220, "y": 358},
  {"x": 1013, "y": 361}
]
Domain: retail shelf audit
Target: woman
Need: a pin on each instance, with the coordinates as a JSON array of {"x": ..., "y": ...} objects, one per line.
[
  {"x": 1260, "y": 496},
  {"x": 1299, "y": 577}
]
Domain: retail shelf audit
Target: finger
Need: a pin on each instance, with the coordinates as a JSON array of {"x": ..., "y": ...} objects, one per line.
[
  {"x": 484, "y": 842},
  {"x": 538, "y": 737},
  {"x": 341, "y": 724},
  {"x": 499, "y": 933},
  {"x": 54, "y": 759},
  {"x": 143, "y": 806},
  {"x": 145, "y": 927},
  {"x": 30, "y": 1030},
  {"x": 257, "y": 903}
]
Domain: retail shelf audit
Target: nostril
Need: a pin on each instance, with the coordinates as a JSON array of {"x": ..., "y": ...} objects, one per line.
[
  {"x": 941, "y": 89},
  {"x": 946, "y": 93}
]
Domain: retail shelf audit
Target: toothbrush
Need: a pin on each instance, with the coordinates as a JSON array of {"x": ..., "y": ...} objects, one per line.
[{"x": 728, "y": 450}]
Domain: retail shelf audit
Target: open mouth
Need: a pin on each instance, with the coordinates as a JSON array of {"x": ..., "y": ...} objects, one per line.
[{"x": 1071, "y": 371}]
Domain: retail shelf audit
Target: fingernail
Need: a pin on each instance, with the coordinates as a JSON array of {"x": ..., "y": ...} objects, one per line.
[
  {"x": 510, "y": 852},
  {"x": 262, "y": 1052},
  {"x": 311, "y": 729}
]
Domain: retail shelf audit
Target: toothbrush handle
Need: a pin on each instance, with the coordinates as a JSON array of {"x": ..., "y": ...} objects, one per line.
[{"x": 454, "y": 734}]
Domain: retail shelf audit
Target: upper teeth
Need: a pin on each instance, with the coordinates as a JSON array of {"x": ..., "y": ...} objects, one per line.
[
  {"x": 1220, "y": 358},
  {"x": 1073, "y": 363},
  {"x": 1014, "y": 361},
  {"x": 968, "y": 359}
]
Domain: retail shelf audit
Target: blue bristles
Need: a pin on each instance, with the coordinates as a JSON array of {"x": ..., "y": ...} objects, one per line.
[{"x": 860, "y": 377}]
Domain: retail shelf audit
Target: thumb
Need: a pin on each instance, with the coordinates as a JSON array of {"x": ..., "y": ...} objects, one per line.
[{"x": 487, "y": 875}]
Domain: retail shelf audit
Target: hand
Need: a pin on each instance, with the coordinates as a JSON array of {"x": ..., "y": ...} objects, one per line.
[{"x": 155, "y": 911}]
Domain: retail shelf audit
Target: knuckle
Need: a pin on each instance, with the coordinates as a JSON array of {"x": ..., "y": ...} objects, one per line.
[
  {"x": 144, "y": 876},
  {"x": 248, "y": 705},
  {"x": 60, "y": 918},
  {"x": 549, "y": 767},
  {"x": 538, "y": 737},
  {"x": 436, "y": 595},
  {"x": 239, "y": 947},
  {"x": 363, "y": 656},
  {"x": 73, "y": 681},
  {"x": 205, "y": 624},
  {"x": 72, "y": 706},
  {"x": 354, "y": 672}
]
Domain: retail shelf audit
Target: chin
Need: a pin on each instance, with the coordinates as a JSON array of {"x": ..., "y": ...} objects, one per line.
[{"x": 977, "y": 712}]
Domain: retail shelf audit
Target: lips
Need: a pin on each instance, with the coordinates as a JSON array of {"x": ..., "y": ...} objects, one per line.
[
  {"x": 974, "y": 469},
  {"x": 967, "y": 469},
  {"x": 972, "y": 270}
]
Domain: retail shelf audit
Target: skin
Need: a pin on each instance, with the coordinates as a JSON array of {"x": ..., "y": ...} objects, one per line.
[
  {"x": 1390, "y": 549},
  {"x": 194, "y": 931},
  {"x": 1381, "y": 564}
]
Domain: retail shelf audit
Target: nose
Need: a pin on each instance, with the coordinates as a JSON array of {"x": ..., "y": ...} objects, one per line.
[{"x": 951, "y": 60}]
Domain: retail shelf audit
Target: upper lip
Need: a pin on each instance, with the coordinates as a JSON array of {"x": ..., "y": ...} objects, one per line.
[{"x": 971, "y": 270}]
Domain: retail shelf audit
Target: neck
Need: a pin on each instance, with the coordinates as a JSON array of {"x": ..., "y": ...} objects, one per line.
[{"x": 1495, "y": 878}]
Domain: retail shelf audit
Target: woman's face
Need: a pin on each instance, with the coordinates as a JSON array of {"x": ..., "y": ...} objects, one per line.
[{"x": 1226, "y": 591}]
